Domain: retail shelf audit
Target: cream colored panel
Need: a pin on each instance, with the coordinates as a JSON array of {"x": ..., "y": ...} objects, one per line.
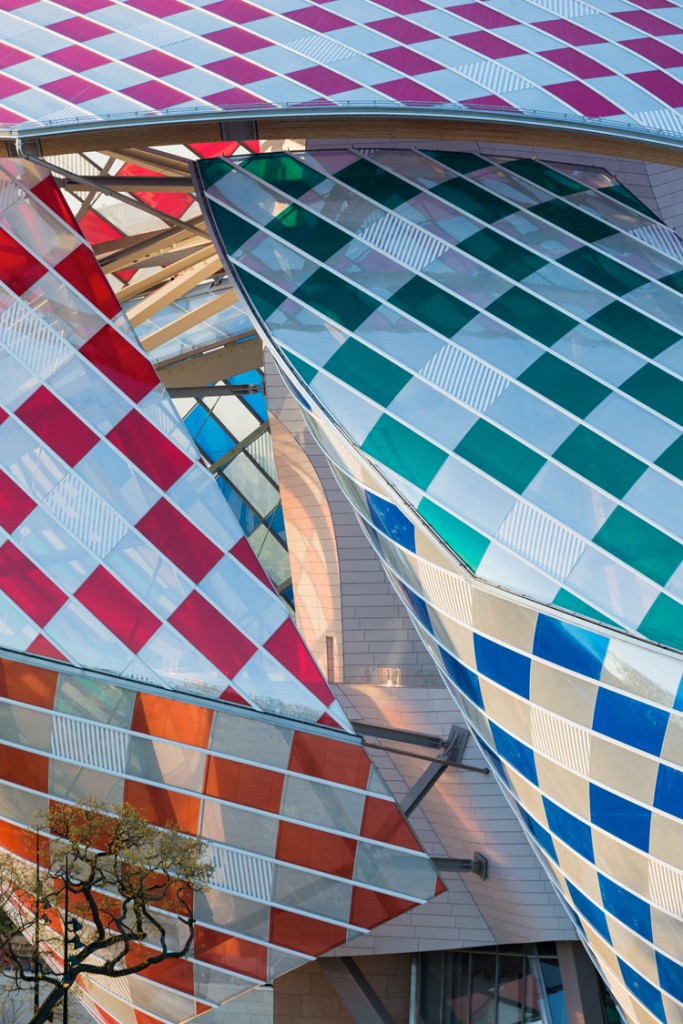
[
  {"x": 564, "y": 693},
  {"x": 579, "y": 871},
  {"x": 666, "y": 930},
  {"x": 561, "y": 740},
  {"x": 623, "y": 862},
  {"x": 672, "y": 748},
  {"x": 510, "y": 623},
  {"x": 564, "y": 787},
  {"x": 625, "y": 771},
  {"x": 638, "y": 953},
  {"x": 511, "y": 711},
  {"x": 665, "y": 839},
  {"x": 666, "y": 886}
]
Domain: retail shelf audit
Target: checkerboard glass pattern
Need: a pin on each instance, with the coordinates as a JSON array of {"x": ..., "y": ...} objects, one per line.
[
  {"x": 464, "y": 337},
  {"x": 615, "y": 61},
  {"x": 309, "y": 848},
  {"x": 117, "y": 548}
]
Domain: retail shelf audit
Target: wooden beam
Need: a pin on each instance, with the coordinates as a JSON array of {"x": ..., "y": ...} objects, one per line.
[
  {"x": 195, "y": 316},
  {"x": 181, "y": 283},
  {"x": 150, "y": 281}
]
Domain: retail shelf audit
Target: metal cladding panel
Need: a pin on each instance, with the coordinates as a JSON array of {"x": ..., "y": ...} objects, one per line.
[
  {"x": 117, "y": 549},
  {"x": 616, "y": 62},
  {"x": 308, "y": 846},
  {"x": 474, "y": 344}
]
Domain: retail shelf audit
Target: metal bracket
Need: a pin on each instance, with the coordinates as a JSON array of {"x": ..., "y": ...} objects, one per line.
[{"x": 478, "y": 865}]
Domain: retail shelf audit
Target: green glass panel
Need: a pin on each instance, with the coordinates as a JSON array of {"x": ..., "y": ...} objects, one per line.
[
  {"x": 602, "y": 270},
  {"x": 432, "y": 305},
  {"x": 464, "y": 194},
  {"x": 671, "y": 459},
  {"x": 664, "y": 622},
  {"x": 464, "y": 163},
  {"x": 564, "y": 384},
  {"x": 531, "y": 315},
  {"x": 336, "y": 299},
  {"x": 233, "y": 230},
  {"x": 600, "y": 461},
  {"x": 303, "y": 230},
  {"x": 640, "y": 545},
  {"x": 635, "y": 329},
  {"x": 575, "y": 221},
  {"x": 264, "y": 298},
  {"x": 284, "y": 172},
  {"x": 622, "y": 195},
  {"x": 674, "y": 281},
  {"x": 367, "y": 371},
  {"x": 468, "y": 544},
  {"x": 378, "y": 184},
  {"x": 546, "y": 177},
  {"x": 572, "y": 603},
  {"x": 659, "y": 390},
  {"x": 304, "y": 369},
  {"x": 211, "y": 171},
  {"x": 502, "y": 253},
  {"x": 405, "y": 452},
  {"x": 500, "y": 455}
]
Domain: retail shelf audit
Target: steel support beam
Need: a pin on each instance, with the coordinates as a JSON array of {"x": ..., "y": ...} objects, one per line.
[
  {"x": 354, "y": 990},
  {"x": 478, "y": 865},
  {"x": 427, "y": 780}
]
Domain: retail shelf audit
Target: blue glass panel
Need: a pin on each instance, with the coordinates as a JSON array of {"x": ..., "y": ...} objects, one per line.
[
  {"x": 669, "y": 790},
  {"x": 276, "y": 522},
  {"x": 515, "y": 753},
  {"x": 569, "y": 829},
  {"x": 540, "y": 834},
  {"x": 634, "y": 912},
  {"x": 246, "y": 516},
  {"x": 503, "y": 665},
  {"x": 212, "y": 439},
  {"x": 678, "y": 703},
  {"x": 670, "y": 976},
  {"x": 496, "y": 763},
  {"x": 643, "y": 990},
  {"x": 589, "y": 910},
  {"x": 575, "y": 648},
  {"x": 417, "y": 606},
  {"x": 391, "y": 521},
  {"x": 195, "y": 419},
  {"x": 623, "y": 718},
  {"x": 620, "y": 817},
  {"x": 463, "y": 678}
]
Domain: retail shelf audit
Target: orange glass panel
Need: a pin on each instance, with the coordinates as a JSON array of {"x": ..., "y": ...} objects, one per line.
[
  {"x": 24, "y": 768},
  {"x": 311, "y": 848},
  {"x": 369, "y": 909},
  {"x": 230, "y": 953},
  {"x": 330, "y": 759},
  {"x": 160, "y": 806},
  {"x": 383, "y": 821},
  {"x": 172, "y": 719},
  {"x": 17, "y": 840},
  {"x": 303, "y": 934},
  {"x": 27, "y": 684},
  {"x": 243, "y": 784},
  {"x": 178, "y": 974}
]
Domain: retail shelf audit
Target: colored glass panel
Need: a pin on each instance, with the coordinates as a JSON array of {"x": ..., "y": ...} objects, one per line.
[
  {"x": 367, "y": 371},
  {"x": 507, "y": 460},
  {"x": 601, "y": 461},
  {"x": 404, "y": 451},
  {"x": 638, "y": 544},
  {"x": 564, "y": 384}
]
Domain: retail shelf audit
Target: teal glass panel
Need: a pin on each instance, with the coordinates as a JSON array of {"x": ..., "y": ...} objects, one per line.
[
  {"x": 212, "y": 171},
  {"x": 233, "y": 230},
  {"x": 303, "y": 230},
  {"x": 404, "y": 451},
  {"x": 264, "y": 298},
  {"x": 304, "y": 369},
  {"x": 603, "y": 271},
  {"x": 575, "y": 221},
  {"x": 337, "y": 299},
  {"x": 659, "y": 390},
  {"x": 671, "y": 459},
  {"x": 546, "y": 177},
  {"x": 377, "y": 184},
  {"x": 467, "y": 543},
  {"x": 635, "y": 329},
  {"x": 501, "y": 253},
  {"x": 367, "y": 371},
  {"x": 435, "y": 307},
  {"x": 640, "y": 545},
  {"x": 467, "y": 196},
  {"x": 564, "y": 384},
  {"x": 463, "y": 163},
  {"x": 674, "y": 281},
  {"x": 622, "y": 195},
  {"x": 499, "y": 455},
  {"x": 284, "y": 172},
  {"x": 572, "y": 603},
  {"x": 664, "y": 622},
  {"x": 600, "y": 461},
  {"x": 532, "y": 316}
]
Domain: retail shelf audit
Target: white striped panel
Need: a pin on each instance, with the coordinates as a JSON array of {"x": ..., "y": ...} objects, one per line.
[
  {"x": 321, "y": 49},
  {"x": 660, "y": 238},
  {"x": 12, "y": 28},
  {"x": 566, "y": 8},
  {"x": 493, "y": 77},
  {"x": 560, "y": 739},
  {"x": 666, "y": 886},
  {"x": 89, "y": 744},
  {"x": 661, "y": 119},
  {"x": 461, "y": 375},
  {"x": 156, "y": 32},
  {"x": 447, "y": 592},
  {"x": 541, "y": 540},
  {"x": 30, "y": 338},
  {"x": 241, "y": 872},
  {"x": 117, "y": 986},
  {"x": 403, "y": 241},
  {"x": 90, "y": 519}
]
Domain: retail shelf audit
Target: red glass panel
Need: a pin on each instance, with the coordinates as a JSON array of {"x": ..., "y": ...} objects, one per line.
[
  {"x": 161, "y": 806},
  {"x": 42, "y": 646},
  {"x": 118, "y": 609},
  {"x": 244, "y": 784},
  {"x": 186, "y": 546},
  {"x": 370, "y": 909},
  {"x": 24, "y": 768},
  {"x": 212, "y": 634},
  {"x": 311, "y": 848},
  {"x": 330, "y": 759},
  {"x": 18, "y": 268},
  {"x": 149, "y": 450},
  {"x": 230, "y": 953},
  {"x": 289, "y": 649},
  {"x": 28, "y": 586},
  {"x": 303, "y": 934},
  {"x": 126, "y": 367},
  {"x": 27, "y": 684},
  {"x": 172, "y": 719},
  {"x": 57, "y": 426},
  {"x": 47, "y": 191},
  {"x": 15, "y": 503},
  {"x": 383, "y": 821},
  {"x": 243, "y": 552},
  {"x": 82, "y": 271}
]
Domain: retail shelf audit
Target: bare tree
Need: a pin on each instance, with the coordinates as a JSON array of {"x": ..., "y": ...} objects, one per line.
[{"x": 109, "y": 895}]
